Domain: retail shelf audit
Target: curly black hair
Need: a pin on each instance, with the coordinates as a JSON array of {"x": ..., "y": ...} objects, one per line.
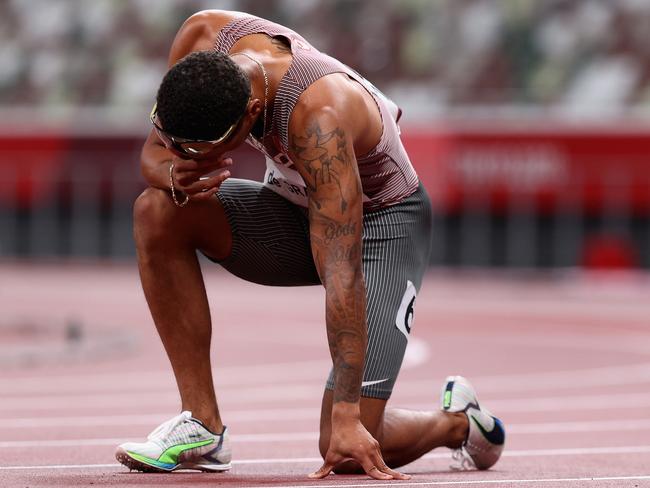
[{"x": 202, "y": 95}]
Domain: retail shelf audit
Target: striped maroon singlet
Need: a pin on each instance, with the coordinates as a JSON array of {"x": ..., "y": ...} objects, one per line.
[{"x": 387, "y": 176}]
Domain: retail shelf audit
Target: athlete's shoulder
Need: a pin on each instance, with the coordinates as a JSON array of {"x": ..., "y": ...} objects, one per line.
[
  {"x": 329, "y": 99},
  {"x": 213, "y": 20},
  {"x": 199, "y": 32}
]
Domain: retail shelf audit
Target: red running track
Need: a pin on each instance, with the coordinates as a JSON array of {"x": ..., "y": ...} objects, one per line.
[{"x": 564, "y": 360}]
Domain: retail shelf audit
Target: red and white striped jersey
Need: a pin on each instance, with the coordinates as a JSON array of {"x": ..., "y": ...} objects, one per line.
[{"x": 387, "y": 176}]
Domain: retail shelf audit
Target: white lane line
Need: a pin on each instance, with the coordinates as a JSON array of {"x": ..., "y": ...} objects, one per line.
[
  {"x": 155, "y": 419},
  {"x": 580, "y": 451},
  {"x": 628, "y": 343},
  {"x": 512, "y": 429},
  {"x": 500, "y": 406},
  {"x": 250, "y": 395},
  {"x": 239, "y": 439},
  {"x": 568, "y": 403},
  {"x": 468, "y": 483},
  {"x": 162, "y": 382},
  {"x": 225, "y": 376},
  {"x": 590, "y": 426},
  {"x": 416, "y": 353},
  {"x": 582, "y": 378},
  {"x": 68, "y": 392},
  {"x": 489, "y": 307},
  {"x": 244, "y": 392},
  {"x": 60, "y": 466}
]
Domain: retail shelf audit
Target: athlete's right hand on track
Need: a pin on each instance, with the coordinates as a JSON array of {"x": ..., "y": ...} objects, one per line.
[
  {"x": 351, "y": 441},
  {"x": 194, "y": 177}
]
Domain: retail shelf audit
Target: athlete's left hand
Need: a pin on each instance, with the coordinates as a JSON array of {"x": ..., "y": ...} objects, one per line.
[
  {"x": 350, "y": 441},
  {"x": 200, "y": 179}
]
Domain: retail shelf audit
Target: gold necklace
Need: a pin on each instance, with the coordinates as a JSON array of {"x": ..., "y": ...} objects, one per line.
[{"x": 266, "y": 89}]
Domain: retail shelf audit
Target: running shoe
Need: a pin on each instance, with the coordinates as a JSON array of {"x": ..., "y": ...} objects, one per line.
[
  {"x": 486, "y": 436},
  {"x": 182, "y": 442}
]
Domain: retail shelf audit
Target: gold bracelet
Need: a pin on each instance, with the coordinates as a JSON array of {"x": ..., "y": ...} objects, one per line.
[{"x": 171, "y": 186}]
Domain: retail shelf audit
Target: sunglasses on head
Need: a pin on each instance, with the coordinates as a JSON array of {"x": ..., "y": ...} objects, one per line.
[{"x": 189, "y": 147}]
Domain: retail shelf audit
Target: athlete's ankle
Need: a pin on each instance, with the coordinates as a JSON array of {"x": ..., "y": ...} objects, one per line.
[
  {"x": 458, "y": 429},
  {"x": 210, "y": 421}
]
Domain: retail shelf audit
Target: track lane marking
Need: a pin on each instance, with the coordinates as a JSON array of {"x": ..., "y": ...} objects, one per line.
[
  {"x": 638, "y": 373},
  {"x": 418, "y": 352},
  {"x": 294, "y": 393},
  {"x": 512, "y": 429},
  {"x": 578, "y": 451},
  {"x": 475, "y": 482},
  {"x": 503, "y": 405}
]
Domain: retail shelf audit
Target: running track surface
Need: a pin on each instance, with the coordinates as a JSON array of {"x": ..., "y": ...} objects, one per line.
[{"x": 563, "y": 360}]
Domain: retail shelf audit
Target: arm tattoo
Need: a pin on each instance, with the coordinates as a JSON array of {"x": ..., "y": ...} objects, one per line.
[
  {"x": 346, "y": 332},
  {"x": 324, "y": 157},
  {"x": 337, "y": 230},
  {"x": 328, "y": 167}
]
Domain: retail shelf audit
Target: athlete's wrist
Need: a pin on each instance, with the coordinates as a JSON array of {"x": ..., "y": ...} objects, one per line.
[
  {"x": 346, "y": 411},
  {"x": 183, "y": 198}
]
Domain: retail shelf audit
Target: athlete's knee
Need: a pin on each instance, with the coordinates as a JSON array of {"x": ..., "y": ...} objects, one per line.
[{"x": 152, "y": 211}]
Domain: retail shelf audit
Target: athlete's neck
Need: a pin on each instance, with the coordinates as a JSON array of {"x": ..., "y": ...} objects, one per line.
[{"x": 262, "y": 87}]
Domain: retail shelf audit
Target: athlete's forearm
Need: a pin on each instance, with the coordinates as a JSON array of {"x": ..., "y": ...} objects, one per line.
[
  {"x": 347, "y": 334},
  {"x": 328, "y": 166},
  {"x": 154, "y": 163},
  {"x": 345, "y": 304}
]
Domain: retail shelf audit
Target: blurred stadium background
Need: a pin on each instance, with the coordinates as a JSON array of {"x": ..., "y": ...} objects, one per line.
[{"x": 528, "y": 120}]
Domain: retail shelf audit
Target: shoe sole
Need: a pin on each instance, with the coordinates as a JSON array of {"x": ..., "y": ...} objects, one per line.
[{"x": 133, "y": 464}]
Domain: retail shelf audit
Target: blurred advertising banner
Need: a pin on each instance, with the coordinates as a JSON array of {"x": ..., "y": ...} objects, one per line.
[
  {"x": 34, "y": 168},
  {"x": 515, "y": 197},
  {"x": 553, "y": 166},
  {"x": 30, "y": 166}
]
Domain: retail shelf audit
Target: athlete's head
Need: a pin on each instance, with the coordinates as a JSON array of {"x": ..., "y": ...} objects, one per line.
[{"x": 204, "y": 97}]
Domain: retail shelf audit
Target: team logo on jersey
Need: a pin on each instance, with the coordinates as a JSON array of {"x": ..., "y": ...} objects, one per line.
[{"x": 405, "y": 313}]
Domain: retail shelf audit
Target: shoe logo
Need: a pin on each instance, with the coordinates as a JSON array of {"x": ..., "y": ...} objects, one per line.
[
  {"x": 171, "y": 454},
  {"x": 496, "y": 436},
  {"x": 370, "y": 383}
]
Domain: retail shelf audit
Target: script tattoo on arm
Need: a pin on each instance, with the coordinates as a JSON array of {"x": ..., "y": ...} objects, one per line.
[{"x": 326, "y": 162}]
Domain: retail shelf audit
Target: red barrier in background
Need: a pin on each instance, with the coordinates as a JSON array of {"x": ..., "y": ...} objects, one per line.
[
  {"x": 29, "y": 166},
  {"x": 554, "y": 167}
]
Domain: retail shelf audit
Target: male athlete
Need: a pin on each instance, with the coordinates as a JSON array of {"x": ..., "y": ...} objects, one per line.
[{"x": 340, "y": 206}]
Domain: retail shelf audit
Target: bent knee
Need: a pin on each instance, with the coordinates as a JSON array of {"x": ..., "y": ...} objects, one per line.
[
  {"x": 151, "y": 210},
  {"x": 151, "y": 203}
]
